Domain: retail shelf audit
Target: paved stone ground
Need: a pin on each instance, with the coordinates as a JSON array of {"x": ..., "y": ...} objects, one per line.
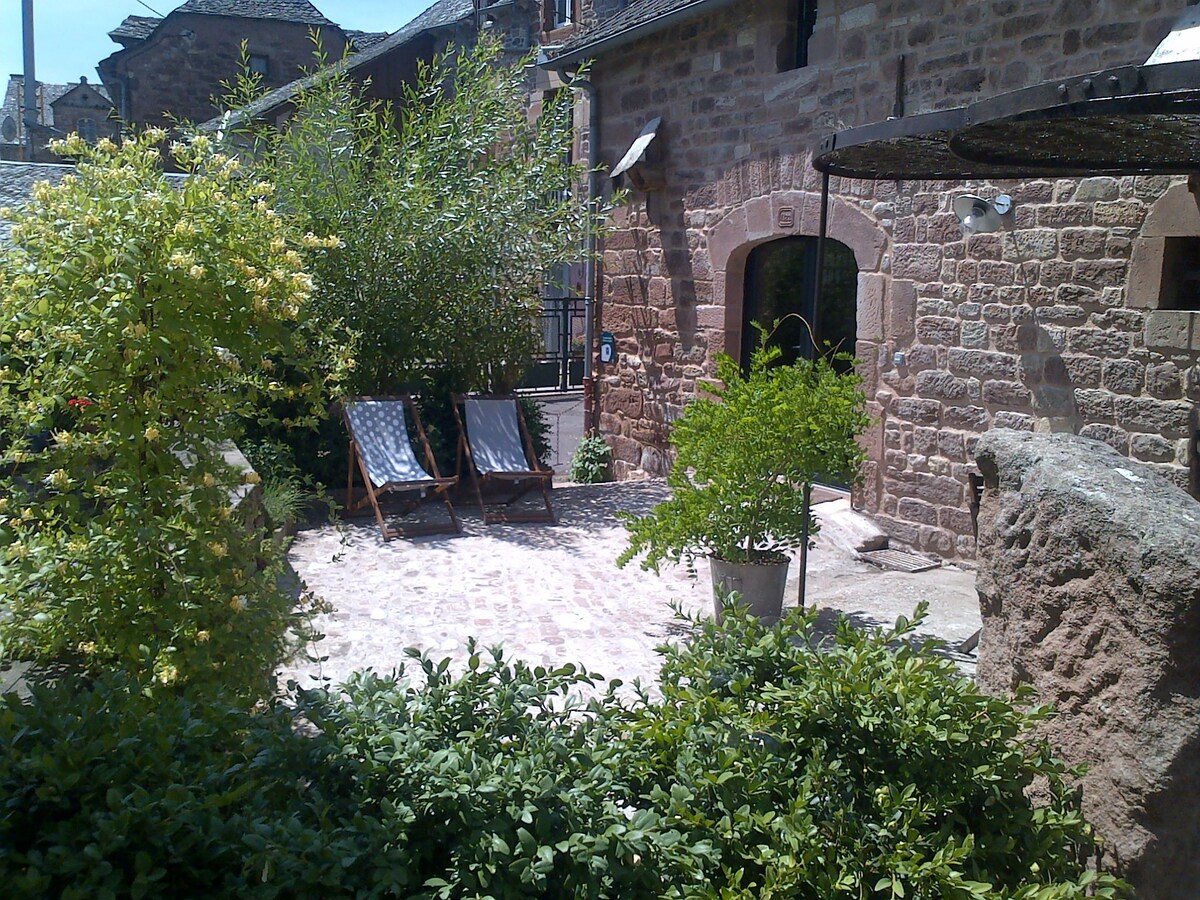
[
  {"x": 564, "y": 415},
  {"x": 552, "y": 594}
]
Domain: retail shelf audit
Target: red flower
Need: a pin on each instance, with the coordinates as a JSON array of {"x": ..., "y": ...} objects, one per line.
[{"x": 79, "y": 402}]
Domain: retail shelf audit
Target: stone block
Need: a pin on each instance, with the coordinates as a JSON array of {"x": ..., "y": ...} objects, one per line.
[
  {"x": 1007, "y": 393},
  {"x": 921, "y": 412},
  {"x": 1164, "y": 381},
  {"x": 982, "y": 363},
  {"x": 1115, "y": 437},
  {"x": 1169, "y": 328},
  {"x": 1123, "y": 376},
  {"x": 1091, "y": 189},
  {"x": 968, "y": 418},
  {"x": 941, "y": 385},
  {"x": 937, "y": 330},
  {"x": 918, "y": 262},
  {"x": 1151, "y": 448},
  {"x": 1089, "y": 583},
  {"x": 1014, "y": 420},
  {"x": 1168, "y": 418}
]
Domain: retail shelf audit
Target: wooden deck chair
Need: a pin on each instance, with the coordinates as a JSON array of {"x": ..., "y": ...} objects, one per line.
[
  {"x": 495, "y": 445},
  {"x": 380, "y": 448}
]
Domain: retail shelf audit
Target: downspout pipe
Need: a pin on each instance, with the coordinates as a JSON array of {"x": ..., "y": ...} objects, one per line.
[
  {"x": 31, "y": 117},
  {"x": 590, "y": 272}
]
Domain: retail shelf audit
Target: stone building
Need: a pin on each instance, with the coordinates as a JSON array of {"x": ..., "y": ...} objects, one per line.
[
  {"x": 1081, "y": 315},
  {"x": 61, "y": 109},
  {"x": 175, "y": 65}
]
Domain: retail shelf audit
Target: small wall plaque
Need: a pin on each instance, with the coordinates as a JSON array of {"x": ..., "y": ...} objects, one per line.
[
  {"x": 787, "y": 217},
  {"x": 608, "y": 347}
]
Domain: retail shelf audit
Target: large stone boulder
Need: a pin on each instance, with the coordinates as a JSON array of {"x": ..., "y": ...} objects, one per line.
[{"x": 1089, "y": 586}]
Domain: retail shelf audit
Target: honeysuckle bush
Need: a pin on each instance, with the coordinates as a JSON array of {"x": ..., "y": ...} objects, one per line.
[
  {"x": 143, "y": 319},
  {"x": 777, "y": 763},
  {"x": 453, "y": 204},
  {"x": 743, "y": 457}
]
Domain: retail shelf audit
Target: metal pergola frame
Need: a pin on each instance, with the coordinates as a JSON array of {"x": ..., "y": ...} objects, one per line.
[{"x": 1129, "y": 120}]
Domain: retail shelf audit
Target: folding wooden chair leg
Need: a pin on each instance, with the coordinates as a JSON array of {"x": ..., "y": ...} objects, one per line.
[{"x": 387, "y": 533}]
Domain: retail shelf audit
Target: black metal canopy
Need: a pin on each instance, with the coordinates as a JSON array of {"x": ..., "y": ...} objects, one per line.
[{"x": 1131, "y": 120}]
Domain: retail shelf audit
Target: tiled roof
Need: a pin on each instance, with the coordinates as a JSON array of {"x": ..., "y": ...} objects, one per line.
[
  {"x": 14, "y": 99},
  {"x": 442, "y": 13},
  {"x": 639, "y": 19},
  {"x": 16, "y": 185},
  {"x": 134, "y": 28},
  {"x": 286, "y": 10},
  {"x": 363, "y": 40}
]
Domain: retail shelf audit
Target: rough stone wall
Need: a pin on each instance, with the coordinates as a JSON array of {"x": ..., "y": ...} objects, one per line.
[
  {"x": 1089, "y": 588},
  {"x": 1029, "y": 328},
  {"x": 182, "y": 66},
  {"x": 85, "y": 103}
]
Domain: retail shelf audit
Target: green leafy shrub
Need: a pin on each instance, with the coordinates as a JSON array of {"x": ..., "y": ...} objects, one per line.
[
  {"x": 744, "y": 457},
  {"x": 858, "y": 765},
  {"x": 142, "y": 320},
  {"x": 590, "y": 462},
  {"x": 452, "y": 205},
  {"x": 778, "y": 764},
  {"x": 105, "y": 791}
]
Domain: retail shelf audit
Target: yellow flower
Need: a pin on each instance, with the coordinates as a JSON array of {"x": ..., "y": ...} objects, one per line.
[
  {"x": 105, "y": 145},
  {"x": 63, "y": 438},
  {"x": 202, "y": 637},
  {"x": 25, "y": 336},
  {"x": 181, "y": 260},
  {"x": 278, "y": 245},
  {"x": 238, "y": 603},
  {"x": 251, "y": 478},
  {"x": 152, "y": 434},
  {"x": 87, "y": 647},
  {"x": 168, "y": 675},
  {"x": 59, "y": 479},
  {"x": 184, "y": 229},
  {"x": 209, "y": 480},
  {"x": 3, "y": 504},
  {"x": 155, "y": 135},
  {"x": 196, "y": 272},
  {"x": 218, "y": 549}
]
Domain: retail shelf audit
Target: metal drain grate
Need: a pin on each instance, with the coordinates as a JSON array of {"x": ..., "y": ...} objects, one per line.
[{"x": 899, "y": 560}]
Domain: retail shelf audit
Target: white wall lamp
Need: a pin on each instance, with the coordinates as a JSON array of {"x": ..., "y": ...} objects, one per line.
[{"x": 978, "y": 216}]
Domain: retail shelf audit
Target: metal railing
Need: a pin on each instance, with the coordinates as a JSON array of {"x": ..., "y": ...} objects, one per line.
[{"x": 558, "y": 366}]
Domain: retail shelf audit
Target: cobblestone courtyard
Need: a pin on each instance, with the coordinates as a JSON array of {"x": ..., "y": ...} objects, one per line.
[{"x": 552, "y": 593}]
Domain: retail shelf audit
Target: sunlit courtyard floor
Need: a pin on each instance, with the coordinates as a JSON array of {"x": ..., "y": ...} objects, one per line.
[{"x": 552, "y": 593}]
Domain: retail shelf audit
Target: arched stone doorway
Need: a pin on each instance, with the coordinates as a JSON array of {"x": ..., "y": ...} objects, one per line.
[{"x": 781, "y": 286}]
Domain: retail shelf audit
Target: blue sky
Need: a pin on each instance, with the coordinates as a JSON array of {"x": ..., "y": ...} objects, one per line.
[{"x": 71, "y": 36}]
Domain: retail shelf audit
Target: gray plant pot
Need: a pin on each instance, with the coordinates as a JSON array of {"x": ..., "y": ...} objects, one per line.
[{"x": 761, "y": 586}]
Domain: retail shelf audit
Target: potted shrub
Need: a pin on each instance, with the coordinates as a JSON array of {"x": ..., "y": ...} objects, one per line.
[{"x": 745, "y": 456}]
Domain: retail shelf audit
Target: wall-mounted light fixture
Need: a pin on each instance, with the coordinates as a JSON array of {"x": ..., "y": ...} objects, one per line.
[{"x": 978, "y": 216}]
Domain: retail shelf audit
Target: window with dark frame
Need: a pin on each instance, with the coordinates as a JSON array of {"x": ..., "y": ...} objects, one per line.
[
  {"x": 802, "y": 20},
  {"x": 87, "y": 130},
  {"x": 1180, "y": 285},
  {"x": 560, "y": 13},
  {"x": 260, "y": 65}
]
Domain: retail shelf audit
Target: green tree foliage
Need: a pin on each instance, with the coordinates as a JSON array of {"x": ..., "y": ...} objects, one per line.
[
  {"x": 779, "y": 763},
  {"x": 143, "y": 319},
  {"x": 452, "y": 206},
  {"x": 744, "y": 455}
]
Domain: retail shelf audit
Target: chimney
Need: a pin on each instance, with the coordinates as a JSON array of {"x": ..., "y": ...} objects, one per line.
[{"x": 32, "y": 119}]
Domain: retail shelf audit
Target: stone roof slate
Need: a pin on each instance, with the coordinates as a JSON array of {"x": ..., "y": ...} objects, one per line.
[
  {"x": 14, "y": 99},
  {"x": 364, "y": 40},
  {"x": 442, "y": 13},
  {"x": 16, "y": 185},
  {"x": 638, "y": 16},
  {"x": 285, "y": 10},
  {"x": 135, "y": 28}
]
